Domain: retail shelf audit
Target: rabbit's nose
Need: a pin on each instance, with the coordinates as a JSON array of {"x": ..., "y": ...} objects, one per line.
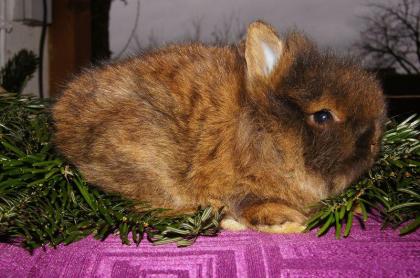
[{"x": 365, "y": 139}]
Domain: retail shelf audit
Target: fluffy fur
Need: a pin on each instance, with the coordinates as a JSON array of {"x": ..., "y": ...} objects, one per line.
[{"x": 194, "y": 125}]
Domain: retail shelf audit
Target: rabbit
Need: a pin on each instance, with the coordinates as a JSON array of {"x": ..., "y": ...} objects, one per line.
[{"x": 265, "y": 128}]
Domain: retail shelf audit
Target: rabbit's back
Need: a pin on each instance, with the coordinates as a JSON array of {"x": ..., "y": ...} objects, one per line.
[{"x": 144, "y": 126}]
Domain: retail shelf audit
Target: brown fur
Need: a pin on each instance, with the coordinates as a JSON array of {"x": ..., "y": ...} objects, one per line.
[{"x": 198, "y": 125}]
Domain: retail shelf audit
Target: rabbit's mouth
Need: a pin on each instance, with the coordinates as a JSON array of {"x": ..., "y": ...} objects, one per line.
[{"x": 350, "y": 174}]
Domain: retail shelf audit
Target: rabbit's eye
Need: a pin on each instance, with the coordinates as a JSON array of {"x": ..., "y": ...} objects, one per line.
[{"x": 322, "y": 117}]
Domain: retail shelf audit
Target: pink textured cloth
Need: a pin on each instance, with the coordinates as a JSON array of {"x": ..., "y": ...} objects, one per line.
[{"x": 366, "y": 253}]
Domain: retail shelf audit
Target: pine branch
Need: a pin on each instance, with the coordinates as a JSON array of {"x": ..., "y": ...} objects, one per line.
[{"x": 44, "y": 200}]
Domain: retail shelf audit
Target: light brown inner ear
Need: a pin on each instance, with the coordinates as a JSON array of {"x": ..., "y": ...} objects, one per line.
[{"x": 260, "y": 34}]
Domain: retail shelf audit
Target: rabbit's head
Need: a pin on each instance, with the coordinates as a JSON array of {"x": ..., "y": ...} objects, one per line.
[{"x": 326, "y": 106}]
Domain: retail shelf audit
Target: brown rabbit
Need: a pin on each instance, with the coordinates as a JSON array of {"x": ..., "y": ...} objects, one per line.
[{"x": 265, "y": 129}]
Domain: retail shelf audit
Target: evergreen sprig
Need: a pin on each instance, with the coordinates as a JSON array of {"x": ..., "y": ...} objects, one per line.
[
  {"x": 44, "y": 200},
  {"x": 391, "y": 187}
]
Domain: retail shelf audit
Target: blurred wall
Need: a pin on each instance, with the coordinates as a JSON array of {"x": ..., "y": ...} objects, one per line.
[
  {"x": 67, "y": 44},
  {"x": 18, "y": 35}
]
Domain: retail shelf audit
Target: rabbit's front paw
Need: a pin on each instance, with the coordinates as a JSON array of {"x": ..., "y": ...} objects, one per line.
[
  {"x": 231, "y": 224},
  {"x": 273, "y": 217}
]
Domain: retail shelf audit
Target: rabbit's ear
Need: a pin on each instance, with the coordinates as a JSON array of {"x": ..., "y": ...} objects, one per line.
[{"x": 263, "y": 50}]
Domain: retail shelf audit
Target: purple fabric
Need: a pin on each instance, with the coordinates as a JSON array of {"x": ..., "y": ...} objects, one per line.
[{"x": 369, "y": 253}]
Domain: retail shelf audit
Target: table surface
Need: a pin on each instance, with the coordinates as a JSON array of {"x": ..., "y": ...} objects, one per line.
[{"x": 367, "y": 252}]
